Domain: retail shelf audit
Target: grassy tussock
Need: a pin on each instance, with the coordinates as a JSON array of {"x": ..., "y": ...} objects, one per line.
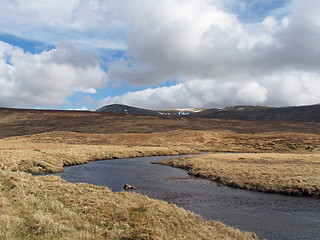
[
  {"x": 48, "y": 208},
  {"x": 293, "y": 174},
  {"x": 36, "y": 158}
]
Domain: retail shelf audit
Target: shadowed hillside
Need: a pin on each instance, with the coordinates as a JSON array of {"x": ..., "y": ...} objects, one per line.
[
  {"x": 118, "y": 108},
  {"x": 295, "y": 114},
  {"x": 124, "y": 109},
  {"x": 17, "y": 122}
]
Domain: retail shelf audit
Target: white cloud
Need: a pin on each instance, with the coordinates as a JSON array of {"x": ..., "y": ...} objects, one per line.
[
  {"x": 270, "y": 23},
  {"x": 200, "y": 40},
  {"x": 194, "y": 93},
  {"x": 251, "y": 93},
  {"x": 86, "y": 90},
  {"x": 294, "y": 88},
  {"x": 48, "y": 78},
  {"x": 218, "y": 59},
  {"x": 82, "y": 23},
  {"x": 232, "y": 62},
  {"x": 188, "y": 38},
  {"x": 80, "y": 109}
]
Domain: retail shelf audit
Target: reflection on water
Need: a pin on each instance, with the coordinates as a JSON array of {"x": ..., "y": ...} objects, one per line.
[{"x": 270, "y": 216}]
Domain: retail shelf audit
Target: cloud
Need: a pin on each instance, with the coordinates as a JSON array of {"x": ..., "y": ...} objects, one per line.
[
  {"x": 194, "y": 93},
  {"x": 285, "y": 89},
  {"x": 199, "y": 40},
  {"x": 294, "y": 88},
  {"x": 252, "y": 93},
  {"x": 273, "y": 61},
  {"x": 48, "y": 78},
  {"x": 187, "y": 38},
  {"x": 270, "y": 23},
  {"x": 82, "y": 23},
  {"x": 219, "y": 57}
]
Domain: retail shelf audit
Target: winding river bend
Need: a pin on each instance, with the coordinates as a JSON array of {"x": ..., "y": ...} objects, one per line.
[{"x": 270, "y": 216}]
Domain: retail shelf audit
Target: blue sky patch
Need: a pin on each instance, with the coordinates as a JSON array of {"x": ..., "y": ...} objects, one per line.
[
  {"x": 33, "y": 47},
  {"x": 256, "y": 10}
]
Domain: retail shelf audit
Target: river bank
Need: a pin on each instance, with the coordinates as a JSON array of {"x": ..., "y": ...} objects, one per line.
[
  {"x": 290, "y": 174},
  {"x": 270, "y": 216},
  {"x": 38, "y": 158},
  {"x": 46, "y": 207}
]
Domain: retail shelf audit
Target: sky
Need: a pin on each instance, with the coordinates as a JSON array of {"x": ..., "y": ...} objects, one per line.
[{"x": 159, "y": 54}]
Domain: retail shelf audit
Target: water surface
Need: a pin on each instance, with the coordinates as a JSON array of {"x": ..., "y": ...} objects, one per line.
[{"x": 270, "y": 216}]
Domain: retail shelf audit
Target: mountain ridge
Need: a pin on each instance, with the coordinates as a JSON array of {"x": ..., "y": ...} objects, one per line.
[
  {"x": 125, "y": 109},
  {"x": 306, "y": 113}
]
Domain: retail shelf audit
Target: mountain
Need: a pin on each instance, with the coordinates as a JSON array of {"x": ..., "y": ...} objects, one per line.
[
  {"x": 309, "y": 113},
  {"x": 119, "y": 108},
  {"x": 124, "y": 109}
]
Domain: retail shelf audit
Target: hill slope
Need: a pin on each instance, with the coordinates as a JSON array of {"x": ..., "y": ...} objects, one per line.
[
  {"x": 297, "y": 114},
  {"x": 309, "y": 113},
  {"x": 18, "y": 122},
  {"x": 124, "y": 109}
]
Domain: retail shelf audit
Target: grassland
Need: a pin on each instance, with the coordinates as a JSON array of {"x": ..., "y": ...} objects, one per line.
[
  {"x": 45, "y": 207},
  {"x": 51, "y": 151},
  {"x": 49, "y": 208},
  {"x": 292, "y": 174},
  {"x": 280, "y": 157},
  {"x": 39, "y": 157}
]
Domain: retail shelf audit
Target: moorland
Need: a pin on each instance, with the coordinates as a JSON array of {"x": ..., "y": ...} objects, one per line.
[{"x": 270, "y": 156}]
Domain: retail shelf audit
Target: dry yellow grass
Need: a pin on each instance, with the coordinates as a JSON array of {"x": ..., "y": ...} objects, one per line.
[
  {"x": 34, "y": 207},
  {"x": 51, "y": 151},
  {"x": 39, "y": 157},
  {"x": 49, "y": 208},
  {"x": 293, "y": 174},
  {"x": 218, "y": 140}
]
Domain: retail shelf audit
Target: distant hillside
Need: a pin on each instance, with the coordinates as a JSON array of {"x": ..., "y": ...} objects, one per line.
[
  {"x": 118, "y": 108},
  {"x": 124, "y": 109},
  {"x": 309, "y": 113},
  {"x": 297, "y": 114}
]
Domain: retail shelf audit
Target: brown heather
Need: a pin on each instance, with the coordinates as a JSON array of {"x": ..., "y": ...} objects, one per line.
[{"x": 19, "y": 122}]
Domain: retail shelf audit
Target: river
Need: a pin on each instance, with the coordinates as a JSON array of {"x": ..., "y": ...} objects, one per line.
[{"x": 271, "y": 216}]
